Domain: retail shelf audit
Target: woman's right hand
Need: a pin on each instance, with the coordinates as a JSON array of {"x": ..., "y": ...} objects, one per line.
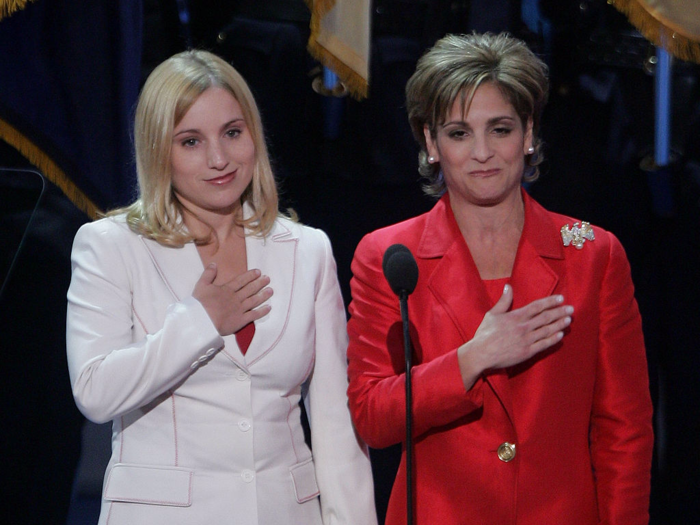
[
  {"x": 234, "y": 304},
  {"x": 506, "y": 338}
]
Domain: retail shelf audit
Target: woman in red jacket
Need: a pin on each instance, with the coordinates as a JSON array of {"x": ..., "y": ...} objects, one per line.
[{"x": 530, "y": 391}]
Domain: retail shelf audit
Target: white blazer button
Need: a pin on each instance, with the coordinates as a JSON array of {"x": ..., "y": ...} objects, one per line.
[
  {"x": 248, "y": 475},
  {"x": 210, "y": 352},
  {"x": 241, "y": 375},
  {"x": 244, "y": 425}
]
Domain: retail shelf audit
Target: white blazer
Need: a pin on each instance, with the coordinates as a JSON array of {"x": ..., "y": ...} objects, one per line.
[{"x": 201, "y": 432}]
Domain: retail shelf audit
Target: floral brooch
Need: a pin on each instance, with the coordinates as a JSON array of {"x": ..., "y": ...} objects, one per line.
[{"x": 577, "y": 235}]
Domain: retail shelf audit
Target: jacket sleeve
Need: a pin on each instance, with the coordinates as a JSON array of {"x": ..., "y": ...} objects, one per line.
[
  {"x": 377, "y": 363},
  {"x": 342, "y": 462},
  {"x": 621, "y": 436},
  {"x": 111, "y": 374}
]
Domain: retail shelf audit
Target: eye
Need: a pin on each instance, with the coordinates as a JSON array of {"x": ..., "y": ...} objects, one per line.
[
  {"x": 457, "y": 134},
  {"x": 189, "y": 143},
  {"x": 233, "y": 132},
  {"x": 502, "y": 130}
]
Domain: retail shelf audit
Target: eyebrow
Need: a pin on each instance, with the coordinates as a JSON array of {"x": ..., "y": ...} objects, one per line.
[
  {"x": 195, "y": 130},
  {"x": 491, "y": 121}
]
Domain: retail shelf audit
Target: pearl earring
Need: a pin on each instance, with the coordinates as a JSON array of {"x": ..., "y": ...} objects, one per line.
[
  {"x": 530, "y": 150},
  {"x": 431, "y": 160}
]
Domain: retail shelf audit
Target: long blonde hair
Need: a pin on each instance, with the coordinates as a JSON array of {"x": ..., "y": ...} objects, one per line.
[{"x": 169, "y": 92}]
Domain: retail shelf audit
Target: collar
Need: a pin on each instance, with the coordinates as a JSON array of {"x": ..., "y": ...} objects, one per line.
[{"x": 441, "y": 230}]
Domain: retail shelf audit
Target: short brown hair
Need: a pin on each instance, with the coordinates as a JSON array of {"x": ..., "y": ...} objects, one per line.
[{"x": 455, "y": 67}]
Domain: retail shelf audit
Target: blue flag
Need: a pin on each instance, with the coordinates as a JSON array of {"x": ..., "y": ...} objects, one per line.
[{"x": 69, "y": 79}]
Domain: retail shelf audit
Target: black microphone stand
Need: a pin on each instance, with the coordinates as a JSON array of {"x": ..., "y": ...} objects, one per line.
[
  {"x": 403, "y": 303},
  {"x": 401, "y": 271}
]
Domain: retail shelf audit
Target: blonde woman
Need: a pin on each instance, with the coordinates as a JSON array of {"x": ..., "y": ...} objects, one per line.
[{"x": 175, "y": 335}]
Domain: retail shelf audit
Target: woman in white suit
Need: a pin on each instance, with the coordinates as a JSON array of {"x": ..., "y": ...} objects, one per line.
[{"x": 175, "y": 335}]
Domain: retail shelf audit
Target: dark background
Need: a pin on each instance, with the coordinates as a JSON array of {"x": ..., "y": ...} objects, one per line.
[{"x": 349, "y": 167}]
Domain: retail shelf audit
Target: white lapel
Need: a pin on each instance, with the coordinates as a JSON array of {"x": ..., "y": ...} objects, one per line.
[
  {"x": 275, "y": 256},
  {"x": 180, "y": 268}
]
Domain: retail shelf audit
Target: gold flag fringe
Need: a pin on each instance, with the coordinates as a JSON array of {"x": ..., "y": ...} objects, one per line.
[
  {"x": 319, "y": 8},
  {"x": 48, "y": 167},
  {"x": 356, "y": 85},
  {"x": 660, "y": 32},
  {"x": 7, "y": 7}
]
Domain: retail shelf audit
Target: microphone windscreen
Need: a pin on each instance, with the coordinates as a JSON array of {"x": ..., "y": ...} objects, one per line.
[
  {"x": 391, "y": 250},
  {"x": 400, "y": 269}
]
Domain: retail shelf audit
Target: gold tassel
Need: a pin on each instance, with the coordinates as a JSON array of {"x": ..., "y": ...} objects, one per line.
[
  {"x": 48, "y": 167},
  {"x": 355, "y": 84},
  {"x": 659, "y": 32},
  {"x": 7, "y": 7}
]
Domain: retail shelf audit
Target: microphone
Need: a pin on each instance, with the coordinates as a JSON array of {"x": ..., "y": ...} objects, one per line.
[{"x": 401, "y": 271}]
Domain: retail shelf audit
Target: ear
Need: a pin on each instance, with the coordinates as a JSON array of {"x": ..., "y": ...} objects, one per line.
[
  {"x": 528, "y": 139},
  {"x": 430, "y": 143}
]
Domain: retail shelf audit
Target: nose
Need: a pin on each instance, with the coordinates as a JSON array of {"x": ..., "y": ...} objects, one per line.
[
  {"x": 481, "y": 150},
  {"x": 216, "y": 158}
]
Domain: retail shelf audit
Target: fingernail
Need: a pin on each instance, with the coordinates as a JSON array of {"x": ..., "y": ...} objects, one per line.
[
  {"x": 569, "y": 310},
  {"x": 567, "y": 320},
  {"x": 560, "y": 298},
  {"x": 506, "y": 288}
]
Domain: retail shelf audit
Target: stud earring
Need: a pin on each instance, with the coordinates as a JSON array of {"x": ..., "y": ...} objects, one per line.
[
  {"x": 431, "y": 160},
  {"x": 530, "y": 150}
]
